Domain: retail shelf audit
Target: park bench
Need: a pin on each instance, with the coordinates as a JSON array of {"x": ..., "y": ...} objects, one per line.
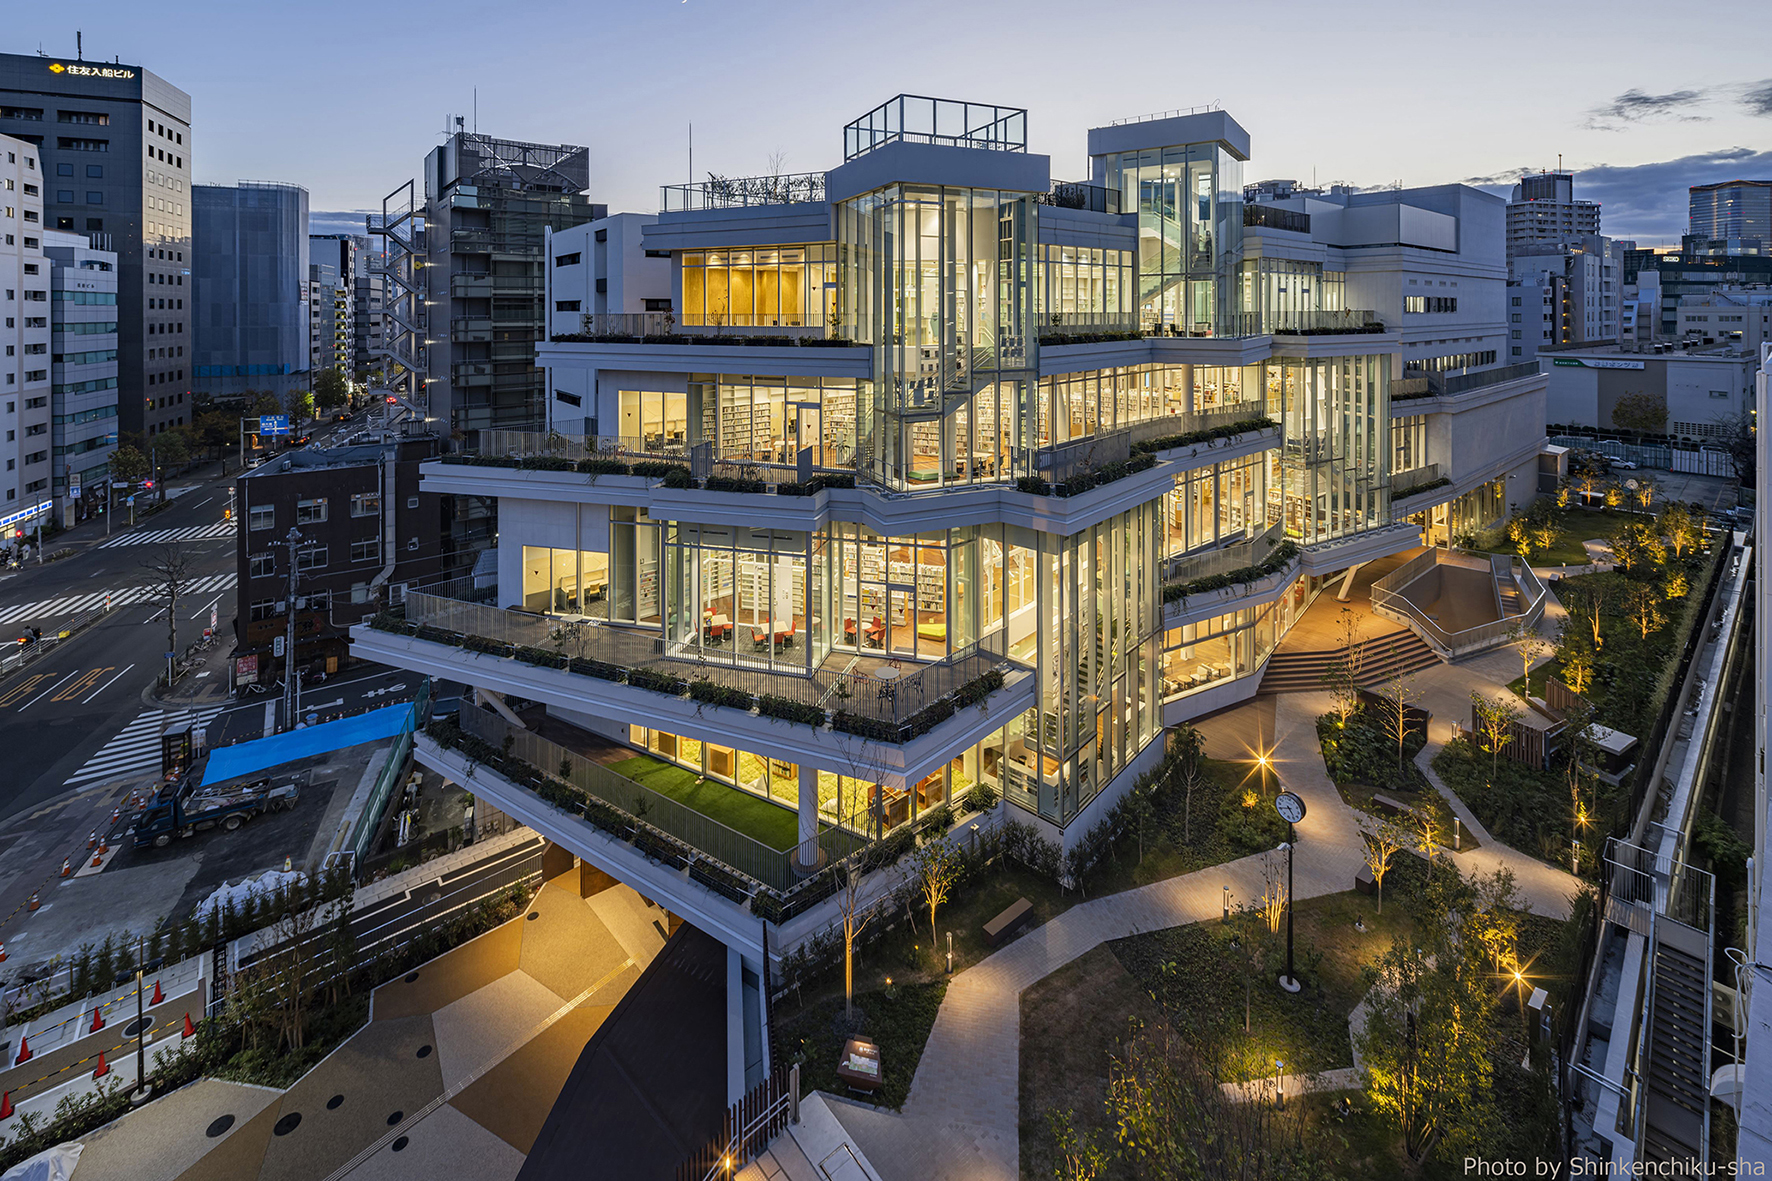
[
  {"x": 1393, "y": 806},
  {"x": 1009, "y": 922}
]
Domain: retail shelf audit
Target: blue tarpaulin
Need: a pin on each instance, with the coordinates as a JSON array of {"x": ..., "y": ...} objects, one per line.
[{"x": 261, "y": 754}]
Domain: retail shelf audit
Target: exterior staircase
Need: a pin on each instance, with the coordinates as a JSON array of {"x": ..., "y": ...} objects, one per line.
[{"x": 1383, "y": 655}]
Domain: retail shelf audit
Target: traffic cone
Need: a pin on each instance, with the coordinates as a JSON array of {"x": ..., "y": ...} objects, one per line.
[
  {"x": 24, "y": 1051},
  {"x": 67, "y": 866},
  {"x": 92, "y": 841},
  {"x": 116, "y": 815},
  {"x": 98, "y": 1019},
  {"x": 2, "y": 953},
  {"x": 190, "y": 1030},
  {"x": 158, "y": 998},
  {"x": 103, "y": 1068},
  {"x": 5, "y": 1104},
  {"x": 98, "y": 859},
  {"x": 34, "y": 902}
]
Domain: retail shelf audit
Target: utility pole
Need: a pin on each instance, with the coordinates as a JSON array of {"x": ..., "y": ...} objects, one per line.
[
  {"x": 141, "y": 1030},
  {"x": 293, "y": 539}
]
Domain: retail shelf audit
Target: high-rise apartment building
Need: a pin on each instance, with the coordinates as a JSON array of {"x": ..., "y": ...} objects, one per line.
[
  {"x": 488, "y": 204},
  {"x": 249, "y": 324},
  {"x": 24, "y": 369},
  {"x": 332, "y": 290},
  {"x": 1543, "y": 212},
  {"x": 1732, "y": 216},
  {"x": 946, "y": 463},
  {"x": 368, "y": 305},
  {"x": 114, "y": 145},
  {"x": 83, "y": 372}
]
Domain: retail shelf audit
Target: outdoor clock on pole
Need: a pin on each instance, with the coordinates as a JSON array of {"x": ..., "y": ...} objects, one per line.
[
  {"x": 1291, "y": 810},
  {"x": 1289, "y": 806}
]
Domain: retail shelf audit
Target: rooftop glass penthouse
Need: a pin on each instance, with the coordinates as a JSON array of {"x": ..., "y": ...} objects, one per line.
[{"x": 941, "y": 473}]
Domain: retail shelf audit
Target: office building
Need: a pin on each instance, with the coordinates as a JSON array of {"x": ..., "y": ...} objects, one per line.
[
  {"x": 1698, "y": 389},
  {"x": 1571, "y": 295},
  {"x": 1543, "y": 212},
  {"x": 367, "y": 531},
  {"x": 25, "y": 369},
  {"x": 249, "y": 324},
  {"x": 1732, "y": 216},
  {"x": 114, "y": 142},
  {"x": 368, "y": 305},
  {"x": 600, "y": 270},
  {"x": 488, "y": 204},
  {"x": 1668, "y": 277},
  {"x": 1727, "y": 315},
  {"x": 83, "y": 372},
  {"x": 332, "y": 315},
  {"x": 905, "y": 463}
]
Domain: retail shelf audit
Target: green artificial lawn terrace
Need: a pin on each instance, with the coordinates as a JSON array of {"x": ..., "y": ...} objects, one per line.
[{"x": 751, "y": 815}]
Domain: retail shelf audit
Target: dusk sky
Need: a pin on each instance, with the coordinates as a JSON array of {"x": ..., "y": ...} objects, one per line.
[{"x": 346, "y": 98}]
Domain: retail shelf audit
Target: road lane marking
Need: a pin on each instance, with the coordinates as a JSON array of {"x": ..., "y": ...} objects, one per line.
[
  {"x": 23, "y": 687},
  {"x": 86, "y": 681},
  {"x": 41, "y": 696},
  {"x": 107, "y": 684}
]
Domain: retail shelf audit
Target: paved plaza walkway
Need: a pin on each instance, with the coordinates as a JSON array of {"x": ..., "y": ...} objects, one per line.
[
  {"x": 452, "y": 1076},
  {"x": 961, "y": 1121}
]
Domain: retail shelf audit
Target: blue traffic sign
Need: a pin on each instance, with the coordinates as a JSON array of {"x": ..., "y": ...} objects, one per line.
[{"x": 273, "y": 424}]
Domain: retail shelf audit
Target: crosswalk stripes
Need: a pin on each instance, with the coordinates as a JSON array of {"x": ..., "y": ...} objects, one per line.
[
  {"x": 136, "y": 750},
  {"x": 70, "y": 605},
  {"x": 160, "y": 536}
]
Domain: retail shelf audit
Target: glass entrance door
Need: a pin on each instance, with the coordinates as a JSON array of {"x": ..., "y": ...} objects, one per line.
[
  {"x": 808, "y": 433},
  {"x": 902, "y": 620}
]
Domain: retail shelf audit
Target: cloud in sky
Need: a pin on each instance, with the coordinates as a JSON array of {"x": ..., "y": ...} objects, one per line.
[
  {"x": 1648, "y": 201},
  {"x": 1634, "y": 106},
  {"x": 343, "y": 221},
  {"x": 1757, "y": 98}
]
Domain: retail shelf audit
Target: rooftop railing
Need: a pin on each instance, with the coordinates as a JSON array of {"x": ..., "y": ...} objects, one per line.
[
  {"x": 738, "y": 192},
  {"x": 463, "y": 613},
  {"x": 918, "y": 118},
  {"x": 1172, "y": 114},
  {"x": 1079, "y": 194},
  {"x": 1419, "y": 383},
  {"x": 1275, "y": 217}
]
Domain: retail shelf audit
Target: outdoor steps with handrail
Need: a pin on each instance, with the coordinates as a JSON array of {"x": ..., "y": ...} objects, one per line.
[{"x": 1382, "y": 657}]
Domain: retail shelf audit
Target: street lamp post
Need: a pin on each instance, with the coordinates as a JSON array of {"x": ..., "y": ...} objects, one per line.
[{"x": 1291, "y": 809}]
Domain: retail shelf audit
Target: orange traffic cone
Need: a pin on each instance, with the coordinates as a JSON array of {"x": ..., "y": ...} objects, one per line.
[
  {"x": 98, "y": 858},
  {"x": 116, "y": 815},
  {"x": 98, "y": 1019},
  {"x": 159, "y": 998},
  {"x": 24, "y": 1051},
  {"x": 2, "y": 953},
  {"x": 5, "y": 1104},
  {"x": 67, "y": 866},
  {"x": 92, "y": 841},
  {"x": 34, "y": 903},
  {"x": 102, "y": 1069},
  {"x": 190, "y": 1030}
]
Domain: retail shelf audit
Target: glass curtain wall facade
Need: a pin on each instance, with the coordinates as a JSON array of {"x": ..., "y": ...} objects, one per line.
[
  {"x": 942, "y": 282},
  {"x": 776, "y": 287},
  {"x": 1190, "y": 234},
  {"x": 1281, "y": 292},
  {"x": 1334, "y": 465},
  {"x": 1085, "y": 284}
]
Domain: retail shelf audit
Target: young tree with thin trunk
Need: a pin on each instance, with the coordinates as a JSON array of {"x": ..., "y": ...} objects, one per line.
[
  {"x": 1342, "y": 676},
  {"x": 1495, "y": 723},
  {"x": 1675, "y": 524},
  {"x": 1398, "y": 696},
  {"x": 1532, "y": 645},
  {"x": 1187, "y": 745},
  {"x": 1381, "y": 847},
  {"x": 936, "y": 866},
  {"x": 171, "y": 570},
  {"x": 1645, "y": 610},
  {"x": 855, "y": 921}
]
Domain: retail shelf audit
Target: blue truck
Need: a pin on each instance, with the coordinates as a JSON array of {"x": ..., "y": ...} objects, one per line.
[{"x": 185, "y": 805}]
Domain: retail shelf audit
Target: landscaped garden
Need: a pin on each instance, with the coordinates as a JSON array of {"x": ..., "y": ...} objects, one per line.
[
  {"x": 1619, "y": 652},
  {"x": 1124, "y": 1051}
]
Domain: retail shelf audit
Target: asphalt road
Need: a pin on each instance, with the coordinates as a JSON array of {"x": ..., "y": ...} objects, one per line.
[{"x": 61, "y": 709}]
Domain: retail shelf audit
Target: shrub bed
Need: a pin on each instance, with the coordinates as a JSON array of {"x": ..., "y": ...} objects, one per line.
[{"x": 1363, "y": 753}]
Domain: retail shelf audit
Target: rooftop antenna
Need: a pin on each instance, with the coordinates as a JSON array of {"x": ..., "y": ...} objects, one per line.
[
  {"x": 476, "y": 110},
  {"x": 79, "y": 46},
  {"x": 692, "y": 152}
]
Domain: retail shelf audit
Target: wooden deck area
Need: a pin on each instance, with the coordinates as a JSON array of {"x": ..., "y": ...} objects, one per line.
[{"x": 1319, "y": 628}]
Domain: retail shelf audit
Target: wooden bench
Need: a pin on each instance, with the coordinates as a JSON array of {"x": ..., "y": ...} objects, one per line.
[
  {"x": 1392, "y": 806},
  {"x": 1013, "y": 918}
]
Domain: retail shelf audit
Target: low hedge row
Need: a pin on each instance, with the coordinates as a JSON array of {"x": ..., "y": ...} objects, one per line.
[
  {"x": 816, "y": 484},
  {"x": 1277, "y": 560},
  {"x": 1242, "y": 426}
]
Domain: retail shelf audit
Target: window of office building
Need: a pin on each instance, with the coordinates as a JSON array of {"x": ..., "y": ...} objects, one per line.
[
  {"x": 1085, "y": 286},
  {"x": 1408, "y": 442}
]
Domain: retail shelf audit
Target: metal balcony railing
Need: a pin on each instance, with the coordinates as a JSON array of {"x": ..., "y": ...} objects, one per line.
[
  {"x": 465, "y": 608},
  {"x": 737, "y": 192}
]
